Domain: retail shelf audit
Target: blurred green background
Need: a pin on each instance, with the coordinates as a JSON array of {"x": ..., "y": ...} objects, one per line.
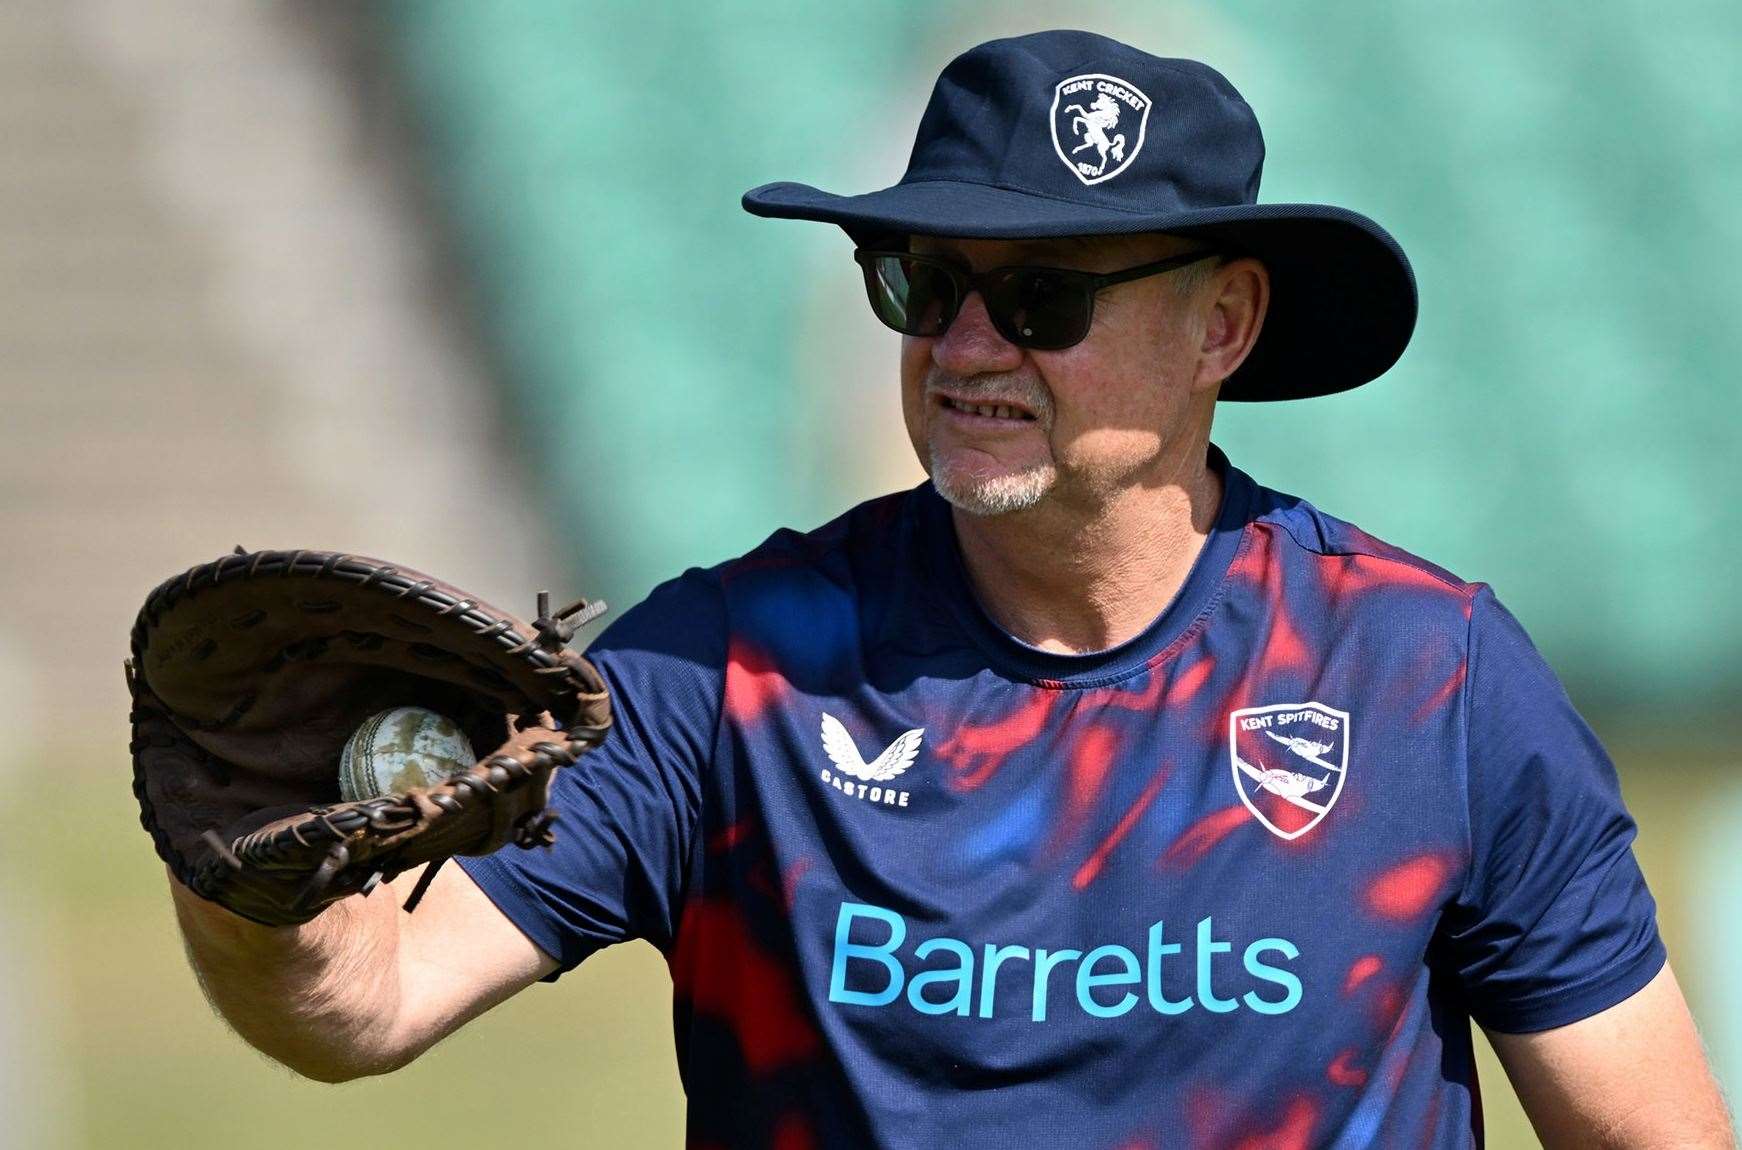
[{"x": 467, "y": 284}]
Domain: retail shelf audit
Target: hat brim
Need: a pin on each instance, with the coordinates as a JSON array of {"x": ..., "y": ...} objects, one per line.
[{"x": 1343, "y": 296}]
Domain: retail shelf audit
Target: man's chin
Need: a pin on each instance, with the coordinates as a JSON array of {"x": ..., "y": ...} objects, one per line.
[{"x": 994, "y": 494}]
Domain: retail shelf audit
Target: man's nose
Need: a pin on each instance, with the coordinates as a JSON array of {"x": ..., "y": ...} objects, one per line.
[{"x": 972, "y": 345}]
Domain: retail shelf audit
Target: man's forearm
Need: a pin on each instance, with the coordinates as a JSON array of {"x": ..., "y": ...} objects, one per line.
[
  {"x": 322, "y": 998},
  {"x": 1632, "y": 1075}
]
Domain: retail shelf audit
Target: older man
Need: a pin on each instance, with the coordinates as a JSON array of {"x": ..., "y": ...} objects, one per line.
[{"x": 1091, "y": 790}]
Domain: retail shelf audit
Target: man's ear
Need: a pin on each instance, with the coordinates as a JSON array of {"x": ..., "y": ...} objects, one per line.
[{"x": 1235, "y": 300}]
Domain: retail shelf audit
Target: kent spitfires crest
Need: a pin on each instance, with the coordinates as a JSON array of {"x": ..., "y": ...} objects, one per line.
[
  {"x": 1097, "y": 125},
  {"x": 1289, "y": 762}
]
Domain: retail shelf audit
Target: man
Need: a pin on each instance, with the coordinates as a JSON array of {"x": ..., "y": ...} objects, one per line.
[{"x": 1090, "y": 790}]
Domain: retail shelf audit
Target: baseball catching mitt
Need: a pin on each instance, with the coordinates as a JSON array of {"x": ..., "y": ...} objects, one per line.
[{"x": 250, "y": 674}]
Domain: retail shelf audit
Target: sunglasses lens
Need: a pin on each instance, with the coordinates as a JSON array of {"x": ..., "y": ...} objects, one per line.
[
  {"x": 1040, "y": 307},
  {"x": 913, "y": 298}
]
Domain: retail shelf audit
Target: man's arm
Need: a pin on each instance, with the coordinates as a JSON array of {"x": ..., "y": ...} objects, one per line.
[
  {"x": 364, "y": 988},
  {"x": 1633, "y": 1075}
]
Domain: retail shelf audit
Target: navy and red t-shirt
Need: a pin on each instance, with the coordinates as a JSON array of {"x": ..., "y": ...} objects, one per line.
[{"x": 1242, "y": 880}]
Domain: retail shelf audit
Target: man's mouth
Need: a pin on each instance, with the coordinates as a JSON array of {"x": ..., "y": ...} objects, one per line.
[{"x": 989, "y": 410}]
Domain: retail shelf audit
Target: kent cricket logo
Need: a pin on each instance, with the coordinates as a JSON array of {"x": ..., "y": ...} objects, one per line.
[
  {"x": 852, "y": 775},
  {"x": 1098, "y": 124},
  {"x": 1289, "y": 761}
]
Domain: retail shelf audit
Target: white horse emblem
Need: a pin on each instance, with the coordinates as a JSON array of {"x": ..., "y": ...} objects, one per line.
[
  {"x": 1101, "y": 115},
  {"x": 1093, "y": 123}
]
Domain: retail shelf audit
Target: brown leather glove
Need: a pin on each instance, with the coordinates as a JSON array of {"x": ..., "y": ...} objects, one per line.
[{"x": 248, "y": 676}]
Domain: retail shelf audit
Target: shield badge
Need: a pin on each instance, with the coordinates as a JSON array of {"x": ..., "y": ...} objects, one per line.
[
  {"x": 1289, "y": 760},
  {"x": 1098, "y": 123}
]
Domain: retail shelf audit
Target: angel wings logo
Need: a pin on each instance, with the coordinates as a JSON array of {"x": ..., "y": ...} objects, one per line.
[
  {"x": 1290, "y": 760},
  {"x": 852, "y": 775}
]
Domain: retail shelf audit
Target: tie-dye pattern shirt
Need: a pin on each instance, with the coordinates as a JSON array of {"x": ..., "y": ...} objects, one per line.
[{"x": 1241, "y": 881}]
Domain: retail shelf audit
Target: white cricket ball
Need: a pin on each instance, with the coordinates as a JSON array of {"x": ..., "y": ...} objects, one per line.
[{"x": 396, "y": 750}]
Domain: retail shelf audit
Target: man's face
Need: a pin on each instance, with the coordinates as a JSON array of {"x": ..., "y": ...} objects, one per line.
[{"x": 1078, "y": 424}]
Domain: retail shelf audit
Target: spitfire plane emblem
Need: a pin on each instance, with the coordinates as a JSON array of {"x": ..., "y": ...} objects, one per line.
[{"x": 1289, "y": 760}]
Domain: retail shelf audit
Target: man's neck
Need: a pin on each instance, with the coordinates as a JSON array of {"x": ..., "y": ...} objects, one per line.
[{"x": 1076, "y": 579}]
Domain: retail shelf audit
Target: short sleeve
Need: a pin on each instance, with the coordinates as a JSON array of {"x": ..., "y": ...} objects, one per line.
[
  {"x": 627, "y": 812},
  {"x": 1554, "y": 923}
]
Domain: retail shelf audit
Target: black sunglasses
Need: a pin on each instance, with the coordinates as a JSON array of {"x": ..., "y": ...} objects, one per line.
[{"x": 1034, "y": 307}]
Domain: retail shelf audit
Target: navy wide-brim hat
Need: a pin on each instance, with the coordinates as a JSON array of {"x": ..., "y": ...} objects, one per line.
[{"x": 1072, "y": 134}]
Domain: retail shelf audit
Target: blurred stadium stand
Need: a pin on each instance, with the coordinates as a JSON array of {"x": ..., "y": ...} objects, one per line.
[
  {"x": 222, "y": 322},
  {"x": 592, "y": 157}
]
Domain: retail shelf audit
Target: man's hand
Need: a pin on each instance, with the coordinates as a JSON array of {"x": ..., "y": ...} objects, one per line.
[
  {"x": 249, "y": 677},
  {"x": 1633, "y": 1076}
]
